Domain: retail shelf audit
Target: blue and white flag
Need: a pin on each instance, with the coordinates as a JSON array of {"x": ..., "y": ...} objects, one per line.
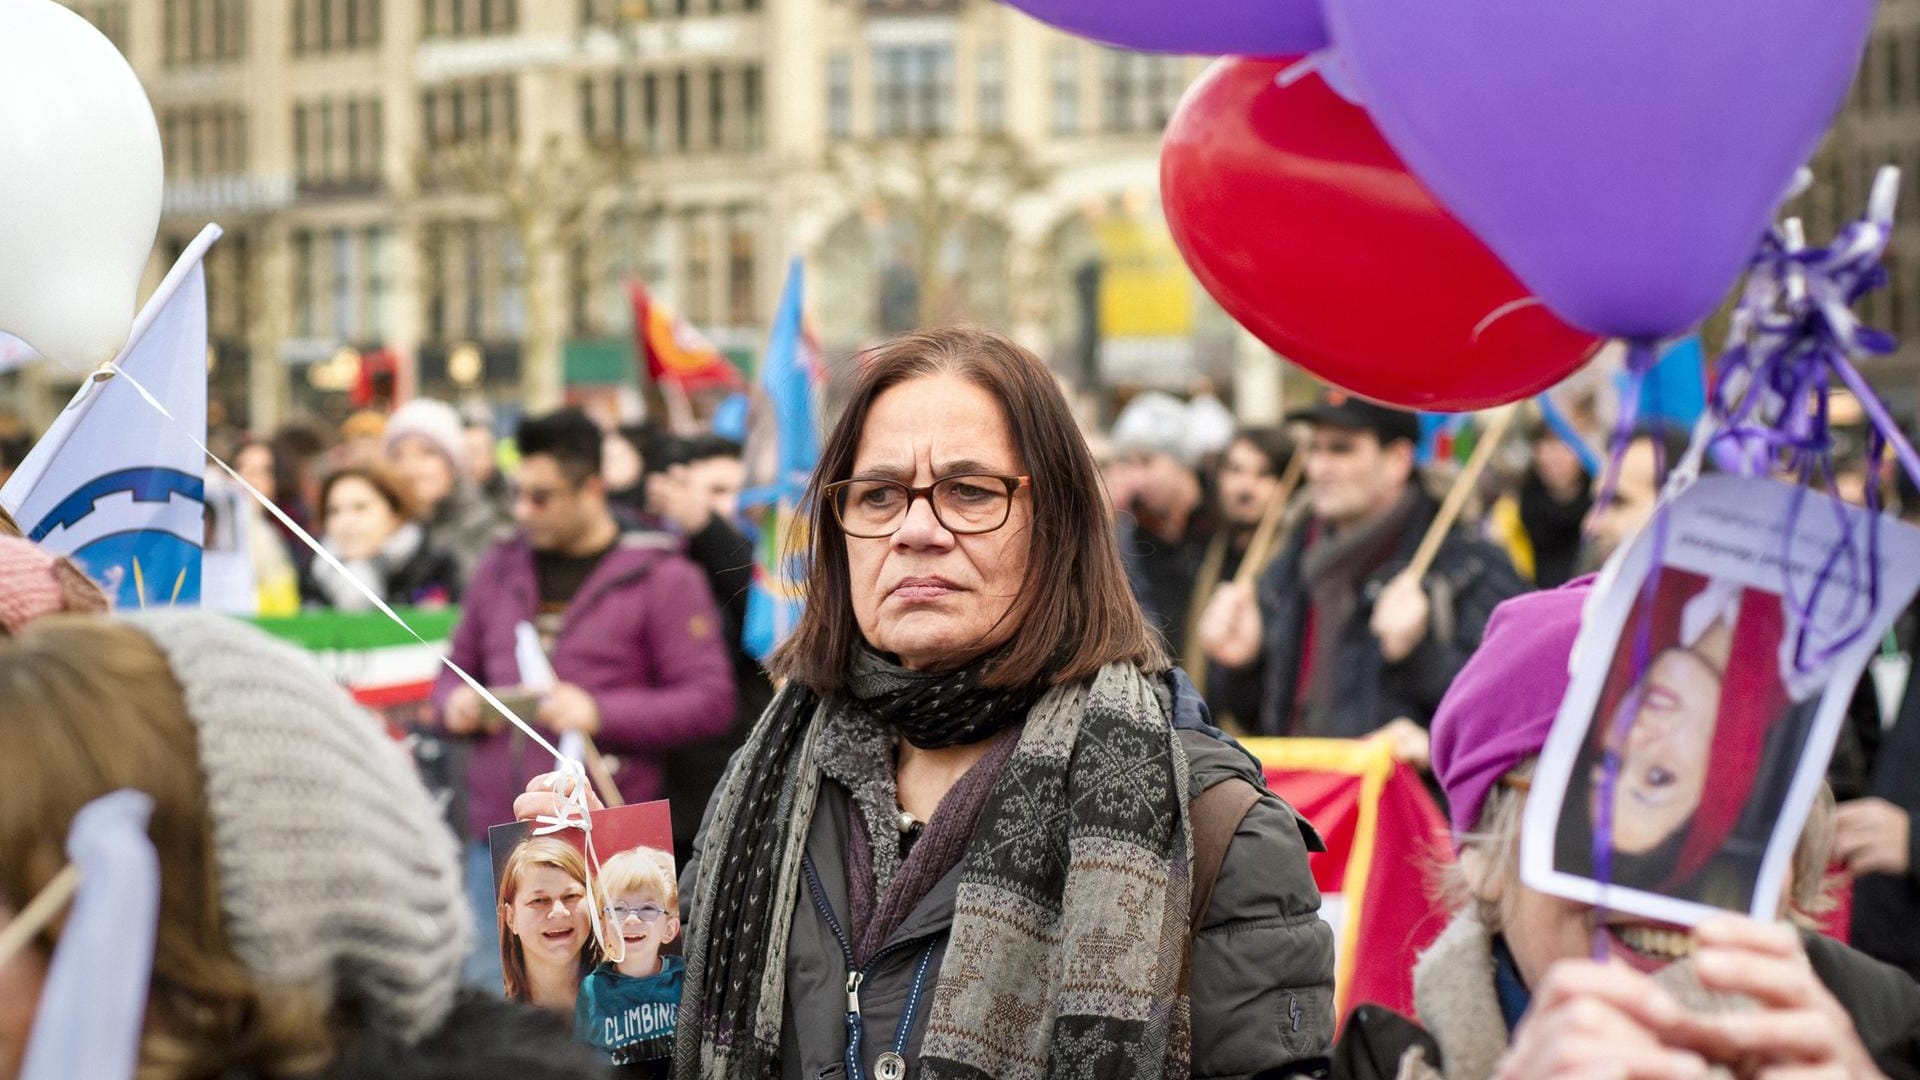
[
  {"x": 115, "y": 483},
  {"x": 782, "y": 451}
]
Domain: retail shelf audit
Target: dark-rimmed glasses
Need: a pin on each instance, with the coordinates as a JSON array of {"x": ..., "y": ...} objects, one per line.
[{"x": 965, "y": 504}]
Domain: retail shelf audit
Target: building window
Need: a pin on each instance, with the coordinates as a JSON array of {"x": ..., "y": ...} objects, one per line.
[
  {"x": 204, "y": 140},
  {"x": 304, "y": 273},
  {"x": 468, "y": 18},
  {"x": 682, "y": 110},
  {"x": 913, "y": 90},
  {"x": 752, "y": 107},
  {"x": 108, "y": 18},
  {"x": 479, "y": 110},
  {"x": 376, "y": 255},
  {"x": 650, "y": 111},
  {"x": 990, "y": 83},
  {"x": 740, "y": 291},
  {"x": 1064, "y": 68},
  {"x": 1139, "y": 92},
  {"x": 323, "y": 26},
  {"x": 699, "y": 270},
  {"x": 196, "y": 32},
  {"x": 338, "y": 142},
  {"x": 840, "y": 95},
  {"x": 716, "y": 109}
]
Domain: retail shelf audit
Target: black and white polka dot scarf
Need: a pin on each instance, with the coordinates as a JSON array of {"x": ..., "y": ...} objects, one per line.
[{"x": 936, "y": 710}]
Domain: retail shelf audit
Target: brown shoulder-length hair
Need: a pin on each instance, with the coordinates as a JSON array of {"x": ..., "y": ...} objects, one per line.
[
  {"x": 392, "y": 490},
  {"x": 1075, "y": 612}
]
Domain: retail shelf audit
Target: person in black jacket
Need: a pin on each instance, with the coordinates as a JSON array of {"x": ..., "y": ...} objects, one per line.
[
  {"x": 367, "y": 523},
  {"x": 692, "y": 486},
  {"x": 1338, "y": 641}
]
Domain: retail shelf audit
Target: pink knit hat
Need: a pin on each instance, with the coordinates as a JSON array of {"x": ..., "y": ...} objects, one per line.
[
  {"x": 1500, "y": 707},
  {"x": 36, "y": 582}
]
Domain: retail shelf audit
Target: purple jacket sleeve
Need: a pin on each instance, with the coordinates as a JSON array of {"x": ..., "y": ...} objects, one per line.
[{"x": 682, "y": 632}]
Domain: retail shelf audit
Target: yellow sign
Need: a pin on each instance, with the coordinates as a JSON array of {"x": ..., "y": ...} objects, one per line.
[{"x": 1145, "y": 290}]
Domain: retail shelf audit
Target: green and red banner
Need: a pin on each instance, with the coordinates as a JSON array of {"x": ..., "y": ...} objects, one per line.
[
  {"x": 1385, "y": 840},
  {"x": 383, "y": 666}
]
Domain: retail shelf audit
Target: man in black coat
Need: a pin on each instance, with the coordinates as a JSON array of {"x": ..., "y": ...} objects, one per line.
[{"x": 1338, "y": 641}]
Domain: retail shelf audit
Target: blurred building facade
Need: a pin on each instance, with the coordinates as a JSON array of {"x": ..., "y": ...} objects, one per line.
[
  {"x": 450, "y": 196},
  {"x": 1881, "y": 126}
]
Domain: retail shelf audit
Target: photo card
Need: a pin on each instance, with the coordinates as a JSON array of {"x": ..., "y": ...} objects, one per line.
[
  {"x": 1714, "y": 665},
  {"x": 594, "y": 934}
]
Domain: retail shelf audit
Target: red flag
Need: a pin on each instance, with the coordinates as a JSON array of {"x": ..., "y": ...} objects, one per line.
[
  {"x": 673, "y": 350},
  {"x": 1385, "y": 838}
]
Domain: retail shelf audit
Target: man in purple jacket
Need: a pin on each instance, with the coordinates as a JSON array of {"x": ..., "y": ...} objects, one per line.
[{"x": 630, "y": 627}]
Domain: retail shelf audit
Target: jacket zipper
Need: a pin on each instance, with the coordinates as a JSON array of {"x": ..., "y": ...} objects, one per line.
[{"x": 856, "y": 977}]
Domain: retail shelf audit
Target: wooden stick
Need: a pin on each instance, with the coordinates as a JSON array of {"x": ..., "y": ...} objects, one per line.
[
  {"x": 1263, "y": 537},
  {"x": 1463, "y": 485},
  {"x": 602, "y": 776},
  {"x": 40, "y": 911}
]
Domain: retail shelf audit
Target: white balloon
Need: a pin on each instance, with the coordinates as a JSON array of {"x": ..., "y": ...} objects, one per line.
[{"x": 80, "y": 187}]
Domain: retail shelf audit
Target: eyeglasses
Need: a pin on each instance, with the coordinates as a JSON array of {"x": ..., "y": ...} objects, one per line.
[
  {"x": 620, "y": 913},
  {"x": 965, "y": 504}
]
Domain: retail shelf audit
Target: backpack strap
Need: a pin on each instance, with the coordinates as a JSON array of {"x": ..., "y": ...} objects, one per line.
[{"x": 1216, "y": 814}]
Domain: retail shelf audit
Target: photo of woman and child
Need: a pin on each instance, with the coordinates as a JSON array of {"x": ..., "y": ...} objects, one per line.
[
  {"x": 590, "y": 944},
  {"x": 1704, "y": 740}
]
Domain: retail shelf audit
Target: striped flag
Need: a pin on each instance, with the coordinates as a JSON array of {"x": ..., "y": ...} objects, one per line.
[
  {"x": 673, "y": 350},
  {"x": 1384, "y": 838},
  {"x": 115, "y": 483}
]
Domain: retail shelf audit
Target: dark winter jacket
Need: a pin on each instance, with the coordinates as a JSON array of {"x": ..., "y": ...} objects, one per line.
[
  {"x": 1886, "y": 909},
  {"x": 1469, "y": 579},
  {"x": 484, "y": 1038},
  {"x": 1882, "y": 1002},
  {"x": 1262, "y": 957},
  {"x": 641, "y": 636},
  {"x": 466, "y": 524}
]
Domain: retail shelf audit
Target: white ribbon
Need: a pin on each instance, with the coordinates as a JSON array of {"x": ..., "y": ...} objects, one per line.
[
  {"x": 93, "y": 1004},
  {"x": 574, "y": 814}
]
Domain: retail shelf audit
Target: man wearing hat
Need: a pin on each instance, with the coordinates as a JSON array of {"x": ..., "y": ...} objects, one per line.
[
  {"x": 1164, "y": 523},
  {"x": 1335, "y": 642}
]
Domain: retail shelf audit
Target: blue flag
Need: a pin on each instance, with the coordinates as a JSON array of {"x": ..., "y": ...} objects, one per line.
[
  {"x": 117, "y": 484},
  {"x": 785, "y": 447}
]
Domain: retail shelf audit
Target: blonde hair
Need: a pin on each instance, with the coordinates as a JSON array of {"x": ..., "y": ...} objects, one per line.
[
  {"x": 88, "y": 707},
  {"x": 531, "y": 852},
  {"x": 640, "y": 870},
  {"x": 1494, "y": 845}
]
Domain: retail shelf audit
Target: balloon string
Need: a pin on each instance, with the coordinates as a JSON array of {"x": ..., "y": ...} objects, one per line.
[{"x": 1793, "y": 336}]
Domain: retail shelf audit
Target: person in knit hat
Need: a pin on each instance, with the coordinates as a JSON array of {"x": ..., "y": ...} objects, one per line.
[
  {"x": 1164, "y": 523},
  {"x": 425, "y": 442},
  {"x": 311, "y": 918},
  {"x": 1509, "y": 989},
  {"x": 36, "y": 582}
]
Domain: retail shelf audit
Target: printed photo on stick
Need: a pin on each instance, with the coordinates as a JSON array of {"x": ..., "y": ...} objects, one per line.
[
  {"x": 593, "y": 930},
  {"x": 1714, "y": 666}
]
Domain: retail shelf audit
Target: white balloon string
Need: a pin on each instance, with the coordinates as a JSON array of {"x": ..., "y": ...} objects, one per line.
[
  {"x": 574, "y": 813},
  {"x": 564, "y": 764}
]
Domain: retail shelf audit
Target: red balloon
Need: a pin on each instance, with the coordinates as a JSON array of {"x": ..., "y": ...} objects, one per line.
[{"x": 1300, "y": 220}]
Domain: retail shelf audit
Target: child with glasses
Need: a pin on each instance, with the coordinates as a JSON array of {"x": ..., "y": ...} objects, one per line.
[{"x": 627, "y": 1005}]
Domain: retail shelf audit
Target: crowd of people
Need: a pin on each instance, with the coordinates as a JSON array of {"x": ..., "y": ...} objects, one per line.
[{"x": 984, "y": 812}]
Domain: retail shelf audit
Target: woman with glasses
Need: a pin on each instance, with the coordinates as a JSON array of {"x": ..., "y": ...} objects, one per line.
[{"x": 968, "y": 838}]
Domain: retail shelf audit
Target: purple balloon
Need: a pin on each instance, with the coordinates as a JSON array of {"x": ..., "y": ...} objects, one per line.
[
  {"x": 1265, "y": 28},
  {"x": 1623, "y": 158}
]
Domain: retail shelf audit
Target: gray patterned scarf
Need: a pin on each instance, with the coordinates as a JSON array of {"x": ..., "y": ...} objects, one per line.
[{"x": 1080, "y": 868}]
